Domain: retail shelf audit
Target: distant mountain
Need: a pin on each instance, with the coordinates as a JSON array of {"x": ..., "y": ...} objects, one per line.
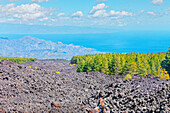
[{"x": 30, "y": 47}]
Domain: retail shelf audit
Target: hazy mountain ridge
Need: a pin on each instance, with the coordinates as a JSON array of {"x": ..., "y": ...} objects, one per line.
[{"x": 31, "y": 47}]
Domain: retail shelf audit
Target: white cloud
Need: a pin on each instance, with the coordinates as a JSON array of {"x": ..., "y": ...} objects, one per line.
[
  {"x": 151, "y": 13},
  {"x": 120, "y": 13},
  {"x": 54, "y": 20},
  {"x": 39, "y": 1},
  {"x": 61, "y": 14},
  {"x": 100, "y": 13},
  {"x": 98, "y": 7},
  {"x": 141, "y": 11},
  {"x": 13, "y": 0},
  {"x": 43, "y": 19},
  {"x": 25, "y": 12},
  {"x": 64, "y": 18},
  {"x": 167, "y": 11},
  {"x": 157, "y": 2},
  {"x": 101, "y": 0},
  {"x": 2, "y": 20},
  {"x": 112, "y": 14},
  {"x": 77, "y": 14},
  {"x": 122, "y": 24}
]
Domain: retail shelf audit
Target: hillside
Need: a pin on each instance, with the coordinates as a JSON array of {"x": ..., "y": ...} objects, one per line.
[{"x": 30, "y": 47}]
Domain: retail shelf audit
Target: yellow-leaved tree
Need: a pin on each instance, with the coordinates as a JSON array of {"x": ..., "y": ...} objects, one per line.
[
  {"x": 128, "y": 76},
  {"x": 162, "y": 74}
]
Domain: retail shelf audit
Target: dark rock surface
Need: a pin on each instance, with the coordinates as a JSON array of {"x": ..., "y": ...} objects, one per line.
[{"x": 25, "y": 89}]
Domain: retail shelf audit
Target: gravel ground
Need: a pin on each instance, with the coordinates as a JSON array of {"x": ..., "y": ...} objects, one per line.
[{"x": 40, "y": 89}]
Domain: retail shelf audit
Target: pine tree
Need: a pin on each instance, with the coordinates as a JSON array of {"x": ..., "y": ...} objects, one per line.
[
  {"x": 158, "y": 64},
  {"x": 105, "y": 67},
  {"x": 159, "y": 72},
  {"x": 166, "y": 63},
  {"x": 133, "y": 68},
  {"x": 126, "y": 68},
  {"x": 81, "y": 65},
  {"x": 147, "y": 66},
  {"x": 89, "y": 64},
  {"x": 112, "y": 65},
  {"x": 97, "y": 62},
  {"x": 142, "y": 71},
  {"x": 153, "y": 67},
  {"x": 122, "y": 63},
  {"x": 117, "y": 66}
]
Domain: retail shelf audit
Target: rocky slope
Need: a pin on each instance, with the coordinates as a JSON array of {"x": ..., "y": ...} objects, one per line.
[
  {"x": 31, "y": 47},
  {"x": 39, "y": 87}
]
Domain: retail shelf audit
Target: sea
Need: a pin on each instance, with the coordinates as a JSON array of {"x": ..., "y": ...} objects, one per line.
[{"x": 118, "y": 42}]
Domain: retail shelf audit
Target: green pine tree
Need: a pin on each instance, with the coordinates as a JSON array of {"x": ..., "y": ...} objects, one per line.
[{"x": 166, "y": 63}]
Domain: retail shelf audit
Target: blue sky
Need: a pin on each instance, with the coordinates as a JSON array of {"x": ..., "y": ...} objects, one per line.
[{"x": 73, "y": 15}]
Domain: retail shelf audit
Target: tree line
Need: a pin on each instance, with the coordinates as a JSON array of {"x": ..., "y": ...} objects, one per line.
[
  {"x": 18, "y": 59},
  {"x": 140, "y": 64}
]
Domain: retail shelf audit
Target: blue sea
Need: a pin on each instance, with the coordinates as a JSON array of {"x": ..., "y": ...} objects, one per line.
[{"x": 123, "y": 42}]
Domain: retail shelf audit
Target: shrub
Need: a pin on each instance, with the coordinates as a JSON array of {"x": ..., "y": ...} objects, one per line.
[
  {"x": 58, "y": 72},
  {"x": 162, "y": 74},
  {"x": 128, "y": 76}
]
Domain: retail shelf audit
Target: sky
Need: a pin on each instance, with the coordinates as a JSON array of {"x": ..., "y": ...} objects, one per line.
[{"x": 83, "y": 16}]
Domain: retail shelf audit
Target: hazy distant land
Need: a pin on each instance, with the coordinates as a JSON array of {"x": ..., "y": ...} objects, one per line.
[{"x": 30, "y": 47}]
